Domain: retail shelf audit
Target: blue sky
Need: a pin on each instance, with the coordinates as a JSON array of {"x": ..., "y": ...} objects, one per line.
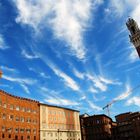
[{"x": 72, "y": 53}]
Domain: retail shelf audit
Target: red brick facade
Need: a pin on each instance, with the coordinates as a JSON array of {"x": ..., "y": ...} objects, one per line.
[
  {"x": 128, "y": 126},
  {"x": 96, "y": 127},
  {"x": 19, "y": 118}
]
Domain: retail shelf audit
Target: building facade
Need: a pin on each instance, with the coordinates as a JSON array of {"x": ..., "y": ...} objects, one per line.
[
  {"x": 57, "y": 123},
  {"x": 19, "y": 118},
  {"x": 128, "y": 126},
  {"x": 96, "y": 127}
]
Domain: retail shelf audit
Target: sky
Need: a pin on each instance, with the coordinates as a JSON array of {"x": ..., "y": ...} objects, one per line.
[{"x": 71, "y": 53}]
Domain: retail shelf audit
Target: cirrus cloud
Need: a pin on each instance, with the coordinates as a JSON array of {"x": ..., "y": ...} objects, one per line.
[{"x": 68, "y": 19}]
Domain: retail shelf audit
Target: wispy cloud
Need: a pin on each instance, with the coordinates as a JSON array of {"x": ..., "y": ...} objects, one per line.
[
  {"x": 69, "y": 82},
  {"x": 82, "y": 98},
  {"x": 78, "y": 74},
  {"x": 125, "y": 94},
  {"x": 133, "y": 57},
  {"x": 42, "y": 74},
  {"x": 66, "y": 26},
  {"x": 28, "y": 55},
  {"x": 133, "y": 101},
  {"x": 25, "y": 88},
  {"x": 93, "y": 90},
  {"x": 93, "y": 106},
  {"x": 19, "y": 80},
  {"x": 119, "y": 8},
  {"x": 136, "y": 12},
  {"x": 5, "y": 68},
  {"x": 23, "y": 82},
  {"x": 3, "y": 45},
  {"x": 61, "y": 102},
  {"x": 101, "y": 82}
]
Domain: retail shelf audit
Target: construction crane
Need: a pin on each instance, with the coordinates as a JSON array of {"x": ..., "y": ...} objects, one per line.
[
  {"x": 107, "y": 107},
  {"x": 118, "y": 99}
]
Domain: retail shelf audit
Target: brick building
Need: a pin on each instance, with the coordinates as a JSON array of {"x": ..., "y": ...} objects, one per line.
[
  {"x": 58, "y": 123},
  {"x": 96, "y": 127},
  {"x": 19, "y": 118},
  {"x": 128, "y": 126}
]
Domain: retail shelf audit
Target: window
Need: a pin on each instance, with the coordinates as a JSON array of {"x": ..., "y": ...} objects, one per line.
[
  {"x": 4, "y": 105},
  {"x": 22, "y": 119},
  {"x": 21, "y": 137},
  {"x": 28, "y": 120},
  {"x": 17, "y": 119},
  {"x": 4, "y": 116},
  {"x": 34, "y": 121},
  {"x": 22, "y": 130},
  {"x": 44, "y": 134},
  {"x": 34, "y": 111},
  {"x": 11, "y": 117},
  {"x": 34, "y": 131},
  {"x": 28, "y": 110},
  {"x": 9, "y": 130},
  {"x": 9, "y": 136},
  {"x": 16, "y": 130},
  {"x": 98, "y": 121},
  {"x": 28, "y": 137},
  {"x": 3, "y": 128},
  {"x": 16, "y": 137},
  {"x": 11, "y": 107},
  {"x": 17, "y": 108},
  {"x": 28, "y": 130},
  {"x": 23, "y": 109}
]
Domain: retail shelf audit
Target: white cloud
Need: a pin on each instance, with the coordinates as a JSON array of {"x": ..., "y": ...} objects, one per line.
[
  {"x": 69, "y": 82},
  {"x": 125, "y": 94},
  {"x": 5, "y": 68},
  {"x": 133, "y": 55},
  {"x": 136, "y": 13},
  {"x": 68, "y": 19},
  {"x": 78, "y": 74},
  {"x": 101, "y": 82},
  {"x": 27, "y": 55},
  {"x": 93, "y": 90},
  {"x": 133, "y": 101},
  {"x": 119, "y": 8},
  {"x": 25, "y": 88},
  {"x": 109, "y": 81},
  {"x": 61, "y": 102},
  {"x": 3, "y": 45},
  {"x": 82, "y": 98},
  {"x": 97, "y": 82},
  {"x": 23, "y": 82},
  {"x": 93, "y": 106},
  {"x": 19, "y": 80},
  {"x": 42, "y": 74}
]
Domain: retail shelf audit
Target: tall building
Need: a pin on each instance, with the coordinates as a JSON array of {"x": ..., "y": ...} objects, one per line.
[
  {"x": 96, "y": 127},
  {"x": 134, "y": 34},
  {"x": 19, "y": 118},
  {"x": 58, "y": 123},
  {"x": 128, "y": 126}
]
